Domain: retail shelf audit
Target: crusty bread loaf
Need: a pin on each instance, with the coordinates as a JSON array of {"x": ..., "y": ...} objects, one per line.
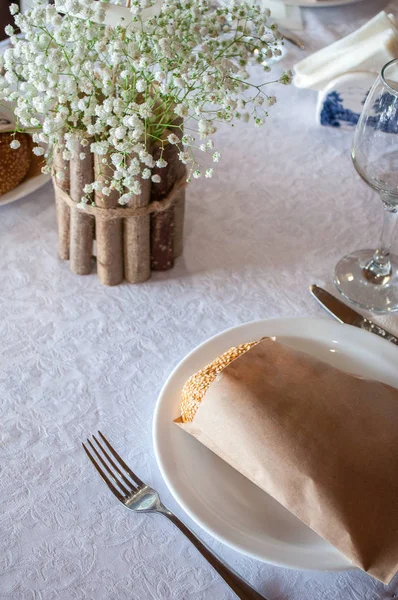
[
  {"x": 14, "y": 164},
  {"x": 196, "y": 386}
]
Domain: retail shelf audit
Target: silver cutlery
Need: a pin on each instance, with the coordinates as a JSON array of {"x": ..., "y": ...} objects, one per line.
[
  {"x": 345, "y": 314},
  {"x": 139, "y": 497},
  {"x": 292, "y": 38}
]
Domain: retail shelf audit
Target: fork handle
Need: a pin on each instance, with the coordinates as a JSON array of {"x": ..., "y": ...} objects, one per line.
[{"x": 242, "y": 589}]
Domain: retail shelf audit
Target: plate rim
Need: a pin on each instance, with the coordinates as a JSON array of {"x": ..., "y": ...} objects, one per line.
[
  {"x": 156, "y": 425},
  {"x": 311, "y": 4},
  {"x": 29, "y": 186}
]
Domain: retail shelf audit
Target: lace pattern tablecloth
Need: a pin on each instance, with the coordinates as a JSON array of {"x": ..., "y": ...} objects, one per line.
[{"x": 284, "y": 206}]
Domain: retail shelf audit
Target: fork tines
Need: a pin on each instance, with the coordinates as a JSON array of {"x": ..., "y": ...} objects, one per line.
[{"x": 118, "y": 476}]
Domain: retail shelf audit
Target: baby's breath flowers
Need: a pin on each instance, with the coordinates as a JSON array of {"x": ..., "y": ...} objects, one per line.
[{"x": 120, "y": 89}]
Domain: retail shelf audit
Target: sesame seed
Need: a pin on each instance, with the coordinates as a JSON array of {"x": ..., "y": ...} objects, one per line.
[{"x": 197, "y": 385}]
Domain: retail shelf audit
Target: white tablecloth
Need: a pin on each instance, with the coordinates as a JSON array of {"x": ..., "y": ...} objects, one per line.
[{"x": 284, "y": 206}]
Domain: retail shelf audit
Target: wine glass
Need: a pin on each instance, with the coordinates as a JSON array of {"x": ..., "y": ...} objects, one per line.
[{"x": 370, "y": 278}]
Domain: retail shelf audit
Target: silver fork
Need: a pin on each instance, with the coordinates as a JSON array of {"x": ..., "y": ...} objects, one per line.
[{"x": 137, "y": 496}]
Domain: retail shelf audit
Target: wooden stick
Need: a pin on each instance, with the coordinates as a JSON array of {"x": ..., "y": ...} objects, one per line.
[
  {"x": 136, "y": 238},
  {"x": 81, "y": 225},
  {"x": 179, "y": 217},
  {"x": 62, "y": 180},
  {"x": 179, "y": 206},
  {"x": 163, "y": 223},
  {"x": 108, "y": 232}
]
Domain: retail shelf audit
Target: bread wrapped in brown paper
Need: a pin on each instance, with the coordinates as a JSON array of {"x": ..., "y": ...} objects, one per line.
[
  {"x": 14, "y": 163},
  {"x": 322, "y": 442}
]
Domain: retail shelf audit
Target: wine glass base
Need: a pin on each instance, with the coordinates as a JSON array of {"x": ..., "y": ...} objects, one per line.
[{"x": 351, "y": 282}]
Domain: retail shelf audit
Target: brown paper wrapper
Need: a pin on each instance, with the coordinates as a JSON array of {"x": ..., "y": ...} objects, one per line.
[{"x": 322, "y": 442}]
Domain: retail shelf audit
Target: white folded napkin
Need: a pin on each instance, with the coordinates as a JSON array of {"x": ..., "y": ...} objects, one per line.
[
  {"x": 390, "y": 323},
  {"x": 285, "y": 16},
  {"x": 367, "y": 49}
]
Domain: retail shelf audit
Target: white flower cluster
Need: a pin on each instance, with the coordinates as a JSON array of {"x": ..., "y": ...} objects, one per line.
[{"x": 122, "y": 89}]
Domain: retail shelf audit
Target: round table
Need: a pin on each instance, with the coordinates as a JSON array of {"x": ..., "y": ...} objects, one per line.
[{"x": 284, "y": 205}]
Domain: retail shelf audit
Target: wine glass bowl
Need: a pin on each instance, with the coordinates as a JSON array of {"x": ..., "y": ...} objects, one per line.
[{"x": 369, "y": 278}]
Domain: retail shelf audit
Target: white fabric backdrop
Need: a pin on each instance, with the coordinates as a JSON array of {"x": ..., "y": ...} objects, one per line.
[{"x": 284, "y": 207}]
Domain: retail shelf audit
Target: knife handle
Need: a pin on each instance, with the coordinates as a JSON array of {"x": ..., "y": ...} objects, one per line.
[{"x": 373, "y": 328}]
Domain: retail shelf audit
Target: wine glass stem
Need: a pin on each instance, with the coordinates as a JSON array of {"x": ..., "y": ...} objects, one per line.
[{"x": 378, "y": 270}]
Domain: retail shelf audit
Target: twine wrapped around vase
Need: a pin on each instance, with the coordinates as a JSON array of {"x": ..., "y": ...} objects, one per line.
[{"x": 130, "y": 239}]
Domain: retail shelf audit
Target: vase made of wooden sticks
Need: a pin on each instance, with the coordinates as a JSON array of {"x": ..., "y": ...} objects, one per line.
[{"x": 132, "y": 240}]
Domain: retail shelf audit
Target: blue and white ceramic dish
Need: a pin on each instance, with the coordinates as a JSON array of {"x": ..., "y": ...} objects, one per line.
[{"x": 341, "y": 102}]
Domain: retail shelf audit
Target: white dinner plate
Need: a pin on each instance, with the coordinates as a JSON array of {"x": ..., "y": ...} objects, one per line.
[
  {"x": 221, "y": 500},
  {"x": 34, "y": 179},
  {"x": 320, "y": 4},
  {"x": 23, "y": 189}
]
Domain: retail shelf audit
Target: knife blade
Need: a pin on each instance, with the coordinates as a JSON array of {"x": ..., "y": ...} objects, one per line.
[
  {"x": 345, "y": 314},
  {"x": 292, "y": 38}
]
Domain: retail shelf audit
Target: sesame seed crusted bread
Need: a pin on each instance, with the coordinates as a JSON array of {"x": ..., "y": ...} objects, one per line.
[
  {"x": 197, "y": 385},
  {"x": 14, "y": 164}
]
